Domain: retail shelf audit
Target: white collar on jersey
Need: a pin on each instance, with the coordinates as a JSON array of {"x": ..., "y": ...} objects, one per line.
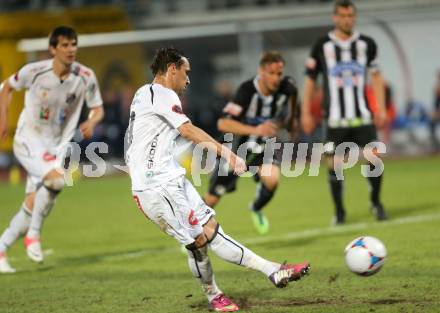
[{"x": 344, "y": 43}]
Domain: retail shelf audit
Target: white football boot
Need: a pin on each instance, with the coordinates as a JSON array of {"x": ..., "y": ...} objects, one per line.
[
  {"x": 33, "y": 249},
  {"x": 5, "y": 267}
]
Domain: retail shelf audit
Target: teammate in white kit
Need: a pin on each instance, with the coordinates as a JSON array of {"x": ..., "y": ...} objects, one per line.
[
  {"x": 55, "y": 92},
  {"x": 167, "y": 198}
]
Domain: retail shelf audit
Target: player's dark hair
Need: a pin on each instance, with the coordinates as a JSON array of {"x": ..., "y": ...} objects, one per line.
[
  {"x": 269, "y": 57},
  {"x": 63, "y": 31},
  {"x": 164, "y": 57},
  {"x": 343, "y": 4}
]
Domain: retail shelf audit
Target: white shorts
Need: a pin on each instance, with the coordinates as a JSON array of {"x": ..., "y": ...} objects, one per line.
[
  {"x": 36, "y": 160},
  {"x": 177, "y": 208}
]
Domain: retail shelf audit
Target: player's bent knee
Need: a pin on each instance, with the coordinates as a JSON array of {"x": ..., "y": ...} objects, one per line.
[
  {"x": 54, "y": 185},
  {"x": 199, "y": 242},
  {"x": 210, "y": 230}
]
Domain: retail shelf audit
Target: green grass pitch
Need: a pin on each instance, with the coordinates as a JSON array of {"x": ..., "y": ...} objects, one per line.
[{"x": 103, "y": 255}]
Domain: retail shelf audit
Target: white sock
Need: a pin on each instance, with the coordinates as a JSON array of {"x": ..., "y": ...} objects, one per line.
[
  {"x": 201, "y": 268},
  {"x": 44, "y": 202},
  {"x": 230, "y": 250},
  {"x": 17, "y": 227}
]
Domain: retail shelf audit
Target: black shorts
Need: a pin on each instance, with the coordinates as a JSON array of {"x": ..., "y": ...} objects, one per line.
[
  {"x": 221, "y": 184},
  {"x": 361, "y": 136}
]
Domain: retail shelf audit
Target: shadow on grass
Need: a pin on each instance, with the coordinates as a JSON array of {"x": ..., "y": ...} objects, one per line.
[
  {"x": 396, "y": 212},
  {"x": 254, "y": 301},
  {"x": 112, "y": 256},
  {"x": 283, "y": 243}
]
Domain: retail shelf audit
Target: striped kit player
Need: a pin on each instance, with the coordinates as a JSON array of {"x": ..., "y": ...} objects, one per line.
[
  {"x": 346, "y": 59},
  {"x": 259, "y": 108}
]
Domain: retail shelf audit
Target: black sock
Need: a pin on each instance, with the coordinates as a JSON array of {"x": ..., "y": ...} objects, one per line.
[
  {"x": 375, "y": 186},
  {"x": 336, "y": 188},
  {"x": 263, "y": 197}
]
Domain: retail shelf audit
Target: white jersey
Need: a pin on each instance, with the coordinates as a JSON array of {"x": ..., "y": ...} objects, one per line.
[
  {"x": 155, "y": 115},
  {"x": 52, "y": 107}
]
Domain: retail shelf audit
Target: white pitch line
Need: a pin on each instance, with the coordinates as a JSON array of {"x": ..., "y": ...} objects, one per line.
[{"x": 308, "y": 233}]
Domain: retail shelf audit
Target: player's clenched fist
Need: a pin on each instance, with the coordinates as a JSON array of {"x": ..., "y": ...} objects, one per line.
[
  {"x": 238, "y": 165},
  {"x": 86, "y": 129}
]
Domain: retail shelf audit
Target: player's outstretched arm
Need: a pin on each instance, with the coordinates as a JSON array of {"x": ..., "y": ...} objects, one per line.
[
  {"x": 306, "y": 116},
  {"x": 198, "y": 136},
  {"x": 227, "y": 125},
  {"x": 5, "y": 101}
]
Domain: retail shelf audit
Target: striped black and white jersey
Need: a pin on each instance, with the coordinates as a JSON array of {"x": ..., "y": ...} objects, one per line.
[
  {"x": 249, "y": 106},
  {"x": 344, "y": 65}
]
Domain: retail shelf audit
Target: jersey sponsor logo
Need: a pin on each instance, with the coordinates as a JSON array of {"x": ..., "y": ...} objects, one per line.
[
  {"x": 152, "y": 152},
  {"x": 347, "y": 73},
  {"x": 44, "y": 114},
  {"x": 233, "y": 109},
  {"x": 352, "y": 67},
  {"x": 177, "y": 109},
  {"x": 192, "y": 219}
]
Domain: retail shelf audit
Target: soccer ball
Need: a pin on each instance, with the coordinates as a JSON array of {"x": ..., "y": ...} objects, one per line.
[{"x": 365, "y": 255}]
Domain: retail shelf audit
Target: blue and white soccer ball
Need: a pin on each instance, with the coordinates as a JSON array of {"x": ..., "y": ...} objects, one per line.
[{"x": 365, "y": 255}]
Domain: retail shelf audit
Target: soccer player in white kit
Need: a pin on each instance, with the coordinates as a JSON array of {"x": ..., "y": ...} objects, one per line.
[
  {"x": 55, "y": 92},
  {"x": 167, "y": 198}
]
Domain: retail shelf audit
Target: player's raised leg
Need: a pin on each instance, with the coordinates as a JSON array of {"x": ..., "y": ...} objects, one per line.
[
  {"x": 232, "y": 251},
  {"x": 45, "y": 197}
]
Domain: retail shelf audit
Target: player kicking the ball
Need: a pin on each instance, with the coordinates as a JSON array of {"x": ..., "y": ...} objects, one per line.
[{"x": 167, "y": 198}]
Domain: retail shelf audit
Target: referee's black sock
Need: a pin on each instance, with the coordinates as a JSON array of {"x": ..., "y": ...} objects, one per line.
[
  {"x": 336, "y": 188},
  {"x": 263, "y": 197},
  {"x": 375, "y": 186}
]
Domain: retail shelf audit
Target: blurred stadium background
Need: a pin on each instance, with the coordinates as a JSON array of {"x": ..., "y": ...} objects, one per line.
[{"x": 223, "y": 39}]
